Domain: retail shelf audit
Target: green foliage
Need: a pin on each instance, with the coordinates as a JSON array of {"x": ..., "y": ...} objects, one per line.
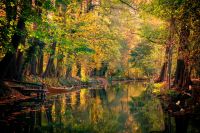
[
  {"x": 162, "y": 8},
  {"x": 84, "y": 50},
  {"x": 140, "y": 58},
  {"x": 48, "y": 5},
  {"x": 153, "y": 34}
]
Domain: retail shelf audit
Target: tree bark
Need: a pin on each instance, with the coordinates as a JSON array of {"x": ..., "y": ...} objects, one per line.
[{"x": 19, "y": 65}]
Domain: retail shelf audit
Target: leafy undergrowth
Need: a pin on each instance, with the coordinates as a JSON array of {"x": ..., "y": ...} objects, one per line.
[{"x": 159, "y": 88}]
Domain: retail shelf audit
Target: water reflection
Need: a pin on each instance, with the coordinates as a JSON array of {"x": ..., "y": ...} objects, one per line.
[
  {"x": 148, "y": 114},
  {"x": 94, "y": 110}
]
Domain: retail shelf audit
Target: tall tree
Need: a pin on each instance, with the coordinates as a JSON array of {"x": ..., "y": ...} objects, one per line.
[
  {"x": 50, "y": 68},
  {"x": 16, "y": 11}
]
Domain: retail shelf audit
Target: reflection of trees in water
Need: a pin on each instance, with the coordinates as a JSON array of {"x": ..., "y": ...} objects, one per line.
[
  {"x": 68, "y": 101},
  {"x": 87, "y": 110},
  {"x": 73, "y": 100},
  {"x": 103, "y": 95},
  {"x": 147, "y": 111},
  {"x": 83, "y": 98},
  {"x": 99, "y": 93},
  {"x": 92, "y": 93}
]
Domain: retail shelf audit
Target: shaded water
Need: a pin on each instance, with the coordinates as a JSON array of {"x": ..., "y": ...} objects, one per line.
[{"x": 119, "y": 108}]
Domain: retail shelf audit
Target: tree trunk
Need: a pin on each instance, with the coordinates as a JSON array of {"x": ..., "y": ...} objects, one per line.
[
  {"x": 8, "y": 63},
  {"x": 68, "y": 73},
  {"x": 79, "y": 69},
  {"x": 33, "y": 65},
  {"x": 40, "y": 63},
  {"x": 38, "y": 4},
  {"x": 182, "y": 75},
  {"x": 103, "y": 69},
  {"x": 50, "y": 69},
  {"x": 163, "y": 73},
  {"x": 30, "y": 60},
  {"x": 59, "y": 67},
  {"x": 19, "y": 65},
  {"x": 169, "y": 44},
  {"x": 7, "y": 66},
  {"x": 179, "y": 72},
  {"x": 11, "y": 65}
]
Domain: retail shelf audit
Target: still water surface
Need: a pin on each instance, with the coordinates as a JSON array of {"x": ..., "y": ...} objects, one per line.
[{"x": 120, "y": 108}]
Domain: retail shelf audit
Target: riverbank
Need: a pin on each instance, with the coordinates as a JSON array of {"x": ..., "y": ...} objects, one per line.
[
  {"x": 9, "y": 95},
  {"x": 181, "y": 105},
  {"x": 55, "y": 85}
]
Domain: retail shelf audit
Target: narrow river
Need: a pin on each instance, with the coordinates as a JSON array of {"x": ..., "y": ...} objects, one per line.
[{"x": 119, "y": 108}]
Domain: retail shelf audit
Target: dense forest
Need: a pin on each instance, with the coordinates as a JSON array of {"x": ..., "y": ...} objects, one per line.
[
  {"x": 87, "y": 38},
  {"x": 57, "y": 43}
]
